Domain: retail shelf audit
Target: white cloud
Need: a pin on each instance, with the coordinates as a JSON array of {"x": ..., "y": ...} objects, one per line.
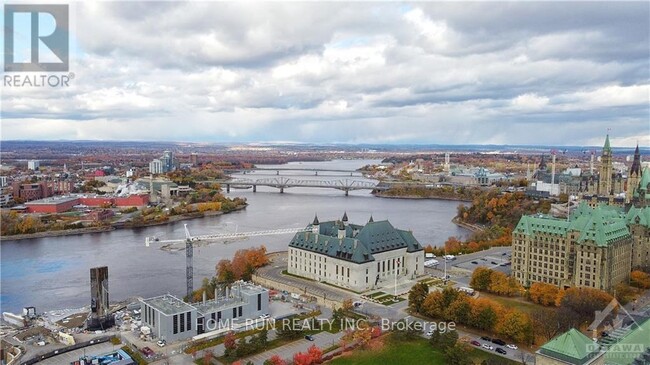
[{"x": 361, "y": 72}]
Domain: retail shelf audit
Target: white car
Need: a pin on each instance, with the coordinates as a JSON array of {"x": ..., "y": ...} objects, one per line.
[
  {"x": 487, "y": 347},
  {"x": 430, "y": 333},
  {"x": 161, "y": 343},
  {"x": 265, "y": 316},
  {"x": 512, "y": 347}
]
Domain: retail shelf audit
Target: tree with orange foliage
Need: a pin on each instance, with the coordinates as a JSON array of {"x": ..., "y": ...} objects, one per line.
[
  {"x": 580, "y": 304},
  {"x": 230, "y": 343},
  {"x": 302, "y": 359},
  {"x": 275, "y": 360},
  {"x": 544, "y": 294},
  {"x": 640, "y": 279},
  {"x": 316, "y": 353},
  {"x": 207, "y": 357}
]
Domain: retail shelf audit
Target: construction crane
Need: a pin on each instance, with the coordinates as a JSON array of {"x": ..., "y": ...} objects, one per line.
[{"x": 189, "y": 246}]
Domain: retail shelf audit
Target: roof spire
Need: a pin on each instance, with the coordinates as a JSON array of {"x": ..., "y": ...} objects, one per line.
[
  {"x": 607, "y": 147},
  {"x": 345, "y": 217},
  {"x": 370, "y": 220},
  {"x": 315, "y": 222},
  {"x": 636, "y": 163}
]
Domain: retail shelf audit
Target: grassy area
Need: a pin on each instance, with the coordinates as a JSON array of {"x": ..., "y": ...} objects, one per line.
[
  {"x": 285, "y": 272},
  {"x": 376, "y": 294},
  {"x": 514, "y": 302},
  {"x": 412, "y": 352}
]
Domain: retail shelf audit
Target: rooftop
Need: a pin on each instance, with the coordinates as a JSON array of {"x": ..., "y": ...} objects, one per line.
[
  {"x": 358, "y": 244},
  {"x": 53, "y": 200},
  {"x": 599, "y": 226},
  {"x": 169, "y": 304},
  {"x": 571, "y": 347},
  {"x": 631, "y": 346},
  {"x": 211, "y": 306}
]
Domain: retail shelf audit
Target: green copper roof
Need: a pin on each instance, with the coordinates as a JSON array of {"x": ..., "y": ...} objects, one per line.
[
  {"x": 639, "y": 216},
  {"x": 360, "y": 242},
  {"x": 644, "y": 185},
  {"x": 629, "y": 347},
  {"x": 607, "y": 147},
  {"x": 600, "y": 226},
  {"x": 572, "y": 347}
]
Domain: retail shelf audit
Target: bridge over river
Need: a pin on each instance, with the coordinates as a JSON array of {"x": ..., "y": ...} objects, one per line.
[
  {"x": 277, "y": 170},
  {"x": 282, "y": 183}
]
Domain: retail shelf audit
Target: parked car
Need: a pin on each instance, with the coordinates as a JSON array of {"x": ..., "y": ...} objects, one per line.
[
  {"x": 512, "y": 347},
  {"x": 604, "y": 334},
  {"x": 487, "y": 347},
  {"x": 486, "y": 338},
  {"x": 147, "y": 351},
  {"x": 309, "y": 338},
  {"x": 505, "y": 253},
  {"x": 161, "y": 343},
  {"x": 499, "y": 342},
  {"x": 501, "y": 351},
  {"x": 494, "y": 263},
  {"x": 475, "y": 343},
  {"x": 475, "y": 262},
  {"x": 265, "y": 316}
]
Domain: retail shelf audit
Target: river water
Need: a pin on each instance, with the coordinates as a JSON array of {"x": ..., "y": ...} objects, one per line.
[{"x": 53, "y": 273}]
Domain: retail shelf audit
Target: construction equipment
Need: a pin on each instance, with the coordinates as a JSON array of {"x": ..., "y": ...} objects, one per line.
[{"x": 189, "y": 248}]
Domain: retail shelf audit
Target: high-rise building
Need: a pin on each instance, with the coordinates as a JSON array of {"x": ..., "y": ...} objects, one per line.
[
  {"x": 33, "y": 164},
  {"x": 592, "y": 249},
  {"x": 156, "y": 167},
  {"x": 194, "y": 159},
  {"x": 168, "y": 161}
]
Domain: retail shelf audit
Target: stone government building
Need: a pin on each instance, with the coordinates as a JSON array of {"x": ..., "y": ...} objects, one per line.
[
  {"x": 604, "y": 238},
  {"x": 357, "y": 257}
]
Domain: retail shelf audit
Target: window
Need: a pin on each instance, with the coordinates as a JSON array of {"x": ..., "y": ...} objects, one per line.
[
  {"x": 182, "y": 322},
  {"x": 189, "y": 321},
  {"x": 348, "y": 272},
  {"x": 218, "y": 316},
  {"x": 240, "y": 311},
  {"x": 234, "y": 313},
  {"x": 175, "y": 320},
  {"x": 259, "y": 302}
]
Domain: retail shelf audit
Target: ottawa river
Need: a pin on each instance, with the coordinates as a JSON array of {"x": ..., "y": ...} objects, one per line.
[{"x": 53, "y": 273}]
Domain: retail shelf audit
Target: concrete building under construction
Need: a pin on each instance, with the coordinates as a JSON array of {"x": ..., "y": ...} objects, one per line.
[{"x": 100, "y": 316}]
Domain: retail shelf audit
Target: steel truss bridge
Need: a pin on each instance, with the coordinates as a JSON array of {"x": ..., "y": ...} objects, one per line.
[
  {"x": 278, "y": 169},
  {"x": 282, "y": 183}
]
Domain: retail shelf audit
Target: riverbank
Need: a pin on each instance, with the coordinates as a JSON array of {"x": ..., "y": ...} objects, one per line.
[
  {"x": 81, "y": 231},
  {"x": 414, "y": 197},
  {"x": 469, "y": 226}
]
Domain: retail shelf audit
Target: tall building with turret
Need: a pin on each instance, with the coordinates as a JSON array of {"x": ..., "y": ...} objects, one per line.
[{"x": 634, "y": 177}]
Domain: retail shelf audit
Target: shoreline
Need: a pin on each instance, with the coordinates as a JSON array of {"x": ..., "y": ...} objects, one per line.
[
  {"x": 415, "y": 197},
  {"x": 112, "y": 227},
  {"x": 468, "y": 226}
]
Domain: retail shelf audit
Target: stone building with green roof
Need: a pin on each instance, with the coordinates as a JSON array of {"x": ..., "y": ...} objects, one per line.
[
  {"x": 593, "y": 248},
  {"x": 638, "y": 221},
  {"x": 571, "y": 347},
  {"x": 357, "y": 257}
]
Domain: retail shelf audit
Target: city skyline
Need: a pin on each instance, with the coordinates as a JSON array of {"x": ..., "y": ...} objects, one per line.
[{"x": 559, "y": 74}]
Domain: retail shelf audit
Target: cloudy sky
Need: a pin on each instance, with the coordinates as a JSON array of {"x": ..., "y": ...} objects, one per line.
[{"x": 554, "y": 73}]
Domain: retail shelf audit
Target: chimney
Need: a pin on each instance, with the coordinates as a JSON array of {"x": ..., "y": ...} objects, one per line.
[
  {"x": 204, "y": 296},
  {"x": 341, "y": 233}
]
